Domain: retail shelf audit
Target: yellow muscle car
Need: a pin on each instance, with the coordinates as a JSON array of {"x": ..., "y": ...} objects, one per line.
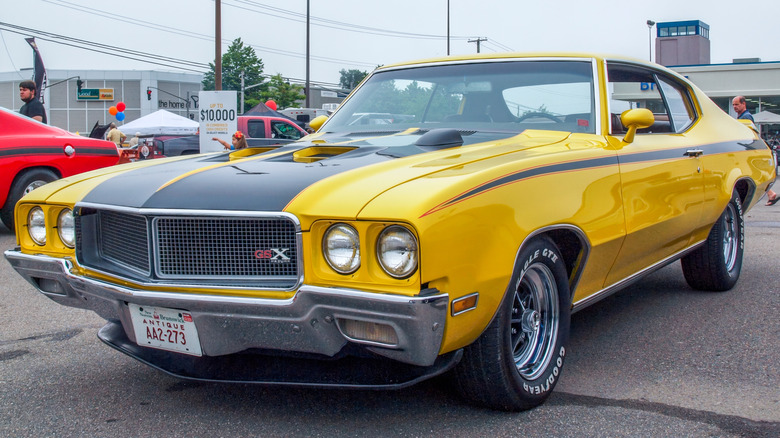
[{"x": 448, "y": 217}]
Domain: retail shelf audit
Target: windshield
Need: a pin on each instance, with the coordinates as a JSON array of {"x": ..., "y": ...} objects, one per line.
[{"x": 507, "y": 97}]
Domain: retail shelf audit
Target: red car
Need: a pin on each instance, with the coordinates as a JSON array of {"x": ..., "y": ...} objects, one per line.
[{"x": 33, "y": 154}]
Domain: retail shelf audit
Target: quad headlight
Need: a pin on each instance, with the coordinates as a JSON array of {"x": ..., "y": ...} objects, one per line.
[
  {"x": 66, "y": 228},
  {"x": 341, "y": 246},
  {"x": 396, "y": 251},
  {"x": 36, "y": 225}
]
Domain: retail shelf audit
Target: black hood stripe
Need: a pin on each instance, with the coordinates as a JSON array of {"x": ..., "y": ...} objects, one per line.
[{"x": 258, "y": 183}]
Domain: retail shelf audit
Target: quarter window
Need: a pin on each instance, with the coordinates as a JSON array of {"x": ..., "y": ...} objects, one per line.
[{"x": 632, "y": 87}]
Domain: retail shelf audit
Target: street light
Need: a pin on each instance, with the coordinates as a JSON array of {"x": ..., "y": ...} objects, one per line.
[{"x": 650, "y": 24}]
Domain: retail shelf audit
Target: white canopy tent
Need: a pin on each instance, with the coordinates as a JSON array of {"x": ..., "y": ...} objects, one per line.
[
  {"x": 766, "y": 117},
  {"x": 161, "y": 122}
]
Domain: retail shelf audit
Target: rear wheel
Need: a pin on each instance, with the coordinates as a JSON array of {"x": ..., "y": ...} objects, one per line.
[
  {"x": 24, "y": 184},
  {"x": 516, "y": 362},
  {"x": 716, "y": 265}
]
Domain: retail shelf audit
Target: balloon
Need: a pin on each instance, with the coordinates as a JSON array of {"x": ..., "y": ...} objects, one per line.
[
  {"x": 120, "y": 116},
  {"x": 120, "y": 106},
  {"x": 271, "y": 104},
  {"x": 112, "y": 111}
]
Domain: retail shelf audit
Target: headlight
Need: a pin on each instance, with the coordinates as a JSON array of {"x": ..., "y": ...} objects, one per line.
[
  {"x": 66, "y": 228},
  {"x": 396, "y": 250},
  {"x": 36, "y": 225},
  {"x": 341, "y": 247}
]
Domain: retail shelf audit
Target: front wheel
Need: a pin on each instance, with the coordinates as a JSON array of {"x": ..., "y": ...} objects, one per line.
[
  {"x": 24, "y": 184},
  {"x": 516, "y": 362},
  {"x": 716, "y": 265}
]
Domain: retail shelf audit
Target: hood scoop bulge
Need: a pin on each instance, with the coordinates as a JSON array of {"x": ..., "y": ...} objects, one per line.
[{"x": 440, "y": 138}]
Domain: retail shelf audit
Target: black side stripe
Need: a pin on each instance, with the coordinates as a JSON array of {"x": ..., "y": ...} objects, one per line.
[{"x": 630, "y": 158}]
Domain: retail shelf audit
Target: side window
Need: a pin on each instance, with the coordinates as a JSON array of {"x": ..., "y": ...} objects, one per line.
[
  {"x": 632, "y": 87},
  {"x": 256, "y": 129},
  {"x": 284, "y": 130},
  {"x": 679, "y": 104}
]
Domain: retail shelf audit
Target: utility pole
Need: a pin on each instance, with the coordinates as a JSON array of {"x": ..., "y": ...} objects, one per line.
[
  {"x": 241, "y": 108},
  {"x": 218, "y": 46},
  {"x": 478, "y": 40},
  {"x": 448, "y": 27},
  {"x": 308, "y": 25}
]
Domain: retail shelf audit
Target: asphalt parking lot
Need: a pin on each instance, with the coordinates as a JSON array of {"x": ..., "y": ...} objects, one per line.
[{"x": 658, "y": 359}]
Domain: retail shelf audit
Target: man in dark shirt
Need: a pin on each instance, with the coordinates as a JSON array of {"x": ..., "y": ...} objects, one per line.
[
  {"x": 32, "y": 107},
  {"x": 740, "y": 107}
]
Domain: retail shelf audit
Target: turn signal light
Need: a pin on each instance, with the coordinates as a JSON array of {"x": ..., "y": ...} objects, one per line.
[
  {"x": 368, "y": 331},
  {"x": 464, "y": 304}
]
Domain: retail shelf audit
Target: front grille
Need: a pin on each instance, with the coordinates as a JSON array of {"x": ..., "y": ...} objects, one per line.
[
  {"x": 217, "y": 247},
  {"x": 194, "y": 250},
  {"x": 124, "y": 239}
]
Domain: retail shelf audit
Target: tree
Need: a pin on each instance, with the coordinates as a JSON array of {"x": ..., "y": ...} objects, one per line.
[
  {"x": 282, "y": 92},
  {"x": 237, "y": 59},
  {"x": 350, "y": 78}
]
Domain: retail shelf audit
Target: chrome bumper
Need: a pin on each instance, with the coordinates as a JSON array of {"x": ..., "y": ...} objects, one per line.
[{"x": 308, "y": 322}]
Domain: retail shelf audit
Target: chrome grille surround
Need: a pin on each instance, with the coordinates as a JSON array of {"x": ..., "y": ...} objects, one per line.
[{"x": 198, "y": 248}]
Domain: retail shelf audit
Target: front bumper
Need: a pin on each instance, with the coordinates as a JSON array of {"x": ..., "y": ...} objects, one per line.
[{"x": 309, "y": 322}]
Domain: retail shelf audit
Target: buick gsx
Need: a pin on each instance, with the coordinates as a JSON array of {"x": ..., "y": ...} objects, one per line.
[{"x": 455, "y": 232}]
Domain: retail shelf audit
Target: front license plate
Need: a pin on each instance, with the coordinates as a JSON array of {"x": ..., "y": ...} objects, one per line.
[{"x": 166, "y": 329}]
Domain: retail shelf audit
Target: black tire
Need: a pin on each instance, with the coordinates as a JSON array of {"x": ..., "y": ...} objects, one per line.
[
  {"x": 515, "y": 364},
  {"x": 24, "y": 183},
  {"x": 716, "y": 265}
]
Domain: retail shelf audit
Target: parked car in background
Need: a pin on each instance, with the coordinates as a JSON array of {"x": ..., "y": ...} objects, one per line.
[
  {"x": 33, "y": 154},
  {"x": 265, "y": 127},
  {"x": 492, "y": 196}
]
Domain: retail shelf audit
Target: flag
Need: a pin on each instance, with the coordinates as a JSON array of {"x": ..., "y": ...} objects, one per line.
[{"x": 39, "y": 71}]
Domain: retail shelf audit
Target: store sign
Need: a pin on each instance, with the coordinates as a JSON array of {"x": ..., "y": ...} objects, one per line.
[{"x": 100, "y": 94}]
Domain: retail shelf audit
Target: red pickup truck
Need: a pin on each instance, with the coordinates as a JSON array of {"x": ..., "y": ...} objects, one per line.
[{"x": 267, "y": 127}]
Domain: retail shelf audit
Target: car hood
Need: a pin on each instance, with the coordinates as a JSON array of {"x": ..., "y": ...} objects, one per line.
[{"x": 361, "y": 168}]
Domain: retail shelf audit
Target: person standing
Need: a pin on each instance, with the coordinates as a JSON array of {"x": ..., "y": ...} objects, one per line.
[
  {"x": 134, "y": 140},
  {"x": 238, "y": 142},
  {"x": 115, "y": 135},
  {"x": 32, "y": 108},
  {"x": 740, "y": 107}
]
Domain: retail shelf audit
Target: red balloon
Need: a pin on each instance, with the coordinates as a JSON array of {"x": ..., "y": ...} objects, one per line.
[
  {"x": 112, "y": 111},
  {"x": 120, "y": 106},
  {"x": 271, "y": 104}
]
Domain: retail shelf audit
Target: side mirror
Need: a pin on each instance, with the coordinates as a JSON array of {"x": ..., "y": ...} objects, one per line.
[
  {"x": 634, "y": 119},
  {"x": 317, "y": 122}
]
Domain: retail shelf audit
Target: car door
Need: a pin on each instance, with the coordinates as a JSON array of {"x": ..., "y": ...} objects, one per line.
[{"x": 661, "y": 180}]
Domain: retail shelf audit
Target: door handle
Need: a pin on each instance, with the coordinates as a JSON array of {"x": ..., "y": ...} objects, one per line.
[{"x": 693, "y": 152}]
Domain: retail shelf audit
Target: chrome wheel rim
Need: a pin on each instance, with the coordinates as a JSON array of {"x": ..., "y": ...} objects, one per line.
[
  {"x": 730, "y": 227},
  {"x": 534, "y": 322},
  {"x": 33, "y": 185}
]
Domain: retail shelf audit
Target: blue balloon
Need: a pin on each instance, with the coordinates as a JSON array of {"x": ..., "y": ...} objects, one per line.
[{"x": 120, "y": 116}]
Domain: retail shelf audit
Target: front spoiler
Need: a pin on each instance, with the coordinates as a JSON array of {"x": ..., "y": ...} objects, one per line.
[
  {"x": 346, "y": 372},
  {"x": 309, "y": 322}
]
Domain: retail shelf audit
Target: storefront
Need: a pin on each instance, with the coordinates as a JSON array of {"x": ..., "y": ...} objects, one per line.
[{"x": 76, "y": 100}]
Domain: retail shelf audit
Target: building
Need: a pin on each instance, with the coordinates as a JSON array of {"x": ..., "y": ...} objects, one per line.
[
  {"x": 684, "y": 46},
  {"x": 142, "y": 92},
  {"x": 682, "y": 43}
]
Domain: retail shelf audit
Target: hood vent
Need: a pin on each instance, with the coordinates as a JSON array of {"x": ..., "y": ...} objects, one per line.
[
  {"x": 440, "y": 138},
  {"x": 310, "y": 155}
]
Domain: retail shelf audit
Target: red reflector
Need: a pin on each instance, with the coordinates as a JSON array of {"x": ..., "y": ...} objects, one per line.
[{"x": 582, "y": 122}]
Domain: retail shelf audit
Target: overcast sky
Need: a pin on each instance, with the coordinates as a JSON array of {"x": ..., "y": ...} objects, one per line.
[{"x": 361, "y": 34}]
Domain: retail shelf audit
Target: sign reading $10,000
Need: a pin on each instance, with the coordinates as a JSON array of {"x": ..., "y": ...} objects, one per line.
[
  {"x": 217, "y": 115},
  {"x": 218, "y": 118}
]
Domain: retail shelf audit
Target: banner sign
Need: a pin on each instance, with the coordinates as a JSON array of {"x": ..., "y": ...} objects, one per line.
[
  {"x": 105, "y": 94},
  {"x": 218, "y": 119}
]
